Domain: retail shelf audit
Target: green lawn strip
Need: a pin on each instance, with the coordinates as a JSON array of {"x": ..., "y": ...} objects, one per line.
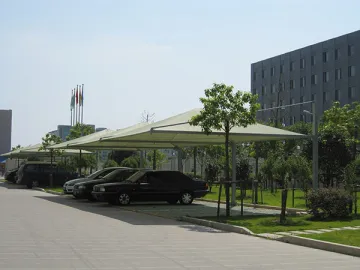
[
  {"x": 56, "y": 189},
  {"x": 345, "y": 237},
  {"x": 270, "y": 224},
  {"x": 273, "y": 199}
]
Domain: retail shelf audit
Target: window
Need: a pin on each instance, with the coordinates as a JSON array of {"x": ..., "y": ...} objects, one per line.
[
  {"x": 325, "y": 97},
  {"x": 292, "y": 65},
  {"x": 351, "y": 92},
  {"x": 313, "y": 60},
  {"x": 301, "y": 99},
  {"x": 325, "y": 57},
  {"x": 314, "y": 79},
  {"x": 351, "y": 71},
  {"x": 337, "y": 95},
  {"x": 254, "y": 91},
  {"x": 302, "y": 118},
  {"x": 338, "y": 74},
  {"x": 292, "y": 101},
  {"x": 272, "y": 71},
  {"x": 281, "y": 102},
  {"x": 282, "y": 87},
  {"x": 263, "y": 90},
  {"x": 351, "y": 50},
  {"x": 302, "y": 63},
  {"x": 337, "y": 54},
  {"x": 273, "y": 88},
  {"x": 264, "y": 106},
  {"x": 313, "y": 97},
  {"x": 31, "y": 168},
  {"x": 282, "y": 68},
  {"x": 325, "y": 76},
  {"x": 254, "y": 76},
  {"x": 292, "y": 84},
  {"x": 302, "y": 82},
  {"x": 292, "y": 120},
  {"x": 263, "y": 74},
  {"x": 273, "y": 105}
]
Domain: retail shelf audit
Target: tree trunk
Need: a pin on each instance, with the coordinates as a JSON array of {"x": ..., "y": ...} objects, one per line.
[
  {"x": 283, "y": 205},
  {"x": 227, "y": 169}
]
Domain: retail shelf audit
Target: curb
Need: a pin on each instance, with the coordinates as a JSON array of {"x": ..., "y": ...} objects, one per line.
[
  {"x": 48, "y": 191},
  {"x": 323, "y": 245},
  {"x": 217, "y": 225},
  {"x": 289, "y": 210}
]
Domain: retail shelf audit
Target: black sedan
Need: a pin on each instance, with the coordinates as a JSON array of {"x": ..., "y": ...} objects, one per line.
[
  {"x": 170, "y": 186},
  {"x": 83, "y": 190}
]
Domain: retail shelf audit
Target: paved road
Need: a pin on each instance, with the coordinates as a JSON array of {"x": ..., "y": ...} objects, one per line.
[{"x": 43, "y": 231}]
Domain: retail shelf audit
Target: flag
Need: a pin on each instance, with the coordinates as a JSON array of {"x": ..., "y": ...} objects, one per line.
[
  {"x": 72, "y": 104},
  {"x": 80, "y": 96},
  {"x": 77, "y": 96}
]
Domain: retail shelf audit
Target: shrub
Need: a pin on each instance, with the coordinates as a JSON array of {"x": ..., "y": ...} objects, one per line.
[
  {"x": 110, "y": 163},
  {"x": 329, "y": 203}
]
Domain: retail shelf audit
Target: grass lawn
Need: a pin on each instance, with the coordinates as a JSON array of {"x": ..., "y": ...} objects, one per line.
[
  {"x": 56, "y": 189},
  {"x": 269, "y": 224},
  {"x": 345, "y": 237},
  {"x": 268, "y": 198}
]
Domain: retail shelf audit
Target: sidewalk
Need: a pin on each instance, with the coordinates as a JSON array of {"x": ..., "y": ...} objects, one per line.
[{"x": 299, "y": 233}]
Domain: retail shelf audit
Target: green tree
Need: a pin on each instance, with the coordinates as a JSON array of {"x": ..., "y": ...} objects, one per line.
[
  {"x": 79, "y": 130},
  {"x": 16, "y": 147},
  {"x": 48, "y": 140},
  {"x": 223, "y": 110},
  {"x": 110, "y": 163},
  {"x": 88, "y": 160},
  {"x": 131, "y": 162},
  {"x": 160, "y": 158}
]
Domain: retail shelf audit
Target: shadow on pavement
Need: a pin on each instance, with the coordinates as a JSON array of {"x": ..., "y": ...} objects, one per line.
[{"x": 128, "y": 214}]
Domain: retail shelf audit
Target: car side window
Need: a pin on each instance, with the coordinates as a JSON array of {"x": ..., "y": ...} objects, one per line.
[
  {"x": 155, "y": 180},
  {"x": 143, "y": 179},
  {"x": 48, "y": 169},
  {"x": 31, "y": 168}
]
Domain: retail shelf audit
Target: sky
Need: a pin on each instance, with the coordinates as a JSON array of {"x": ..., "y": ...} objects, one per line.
[{"x": 143, "y": 55}]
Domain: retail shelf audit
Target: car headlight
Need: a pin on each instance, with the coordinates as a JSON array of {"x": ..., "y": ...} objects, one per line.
[
  {"x": 102, "y": 189},
  {"x": 82, "y": 187}
]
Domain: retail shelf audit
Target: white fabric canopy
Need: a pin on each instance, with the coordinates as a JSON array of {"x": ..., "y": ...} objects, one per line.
[{"x": 176, "y": 131}]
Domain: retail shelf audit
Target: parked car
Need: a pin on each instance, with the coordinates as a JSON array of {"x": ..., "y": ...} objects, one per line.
[
  {"x": 37, "y": 173},
  {"x": 169, "y": 186},
  {"x": 69, "y": 185},
  {"x": 83, "y": 190},
  {"x": 10, "y": 175}
]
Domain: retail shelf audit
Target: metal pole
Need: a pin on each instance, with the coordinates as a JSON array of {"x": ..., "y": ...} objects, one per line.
[
  {"x": 315, "y": 149},
  {"x": 233, "y": 184},
  {"x": 82, "y": 104},
  {"x": 154, "y": 160},
  {"x": 141, "y": 159},
  {"x": 195, "y": 152}
]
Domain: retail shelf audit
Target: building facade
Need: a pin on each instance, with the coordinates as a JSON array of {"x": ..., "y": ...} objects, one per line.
[
  {"x": 324, "y": 72},
  {"x": 6, "y": 128}
]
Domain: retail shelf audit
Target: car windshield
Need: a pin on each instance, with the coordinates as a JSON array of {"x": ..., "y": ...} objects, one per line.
[
  {"x": 93, "y": 175},
  {"x": 113, "y": 174},
  {"x": 136, "y": 176}
]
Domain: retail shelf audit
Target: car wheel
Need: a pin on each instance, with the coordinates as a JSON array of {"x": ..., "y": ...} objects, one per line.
[
  {"x": 35, "y": 183},
  {"x": 124, "y": 199},
  {"x": 186, "y": 198},
  {"x": 29, "y": 185},
  {"x": 172, "y": 201},
  {"x": 75, "y": 196}
]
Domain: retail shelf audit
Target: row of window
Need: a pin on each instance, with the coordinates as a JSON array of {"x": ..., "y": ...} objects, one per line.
[
  {"x": 325, "y": 59},
  {"x": 325, "y": 98},
  {"x": 314, "y": 80}
]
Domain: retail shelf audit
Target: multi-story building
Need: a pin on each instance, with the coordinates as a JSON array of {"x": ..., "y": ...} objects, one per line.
[
  {"x": 5, "y": 134},
  {"x": 324, "y": 72}
]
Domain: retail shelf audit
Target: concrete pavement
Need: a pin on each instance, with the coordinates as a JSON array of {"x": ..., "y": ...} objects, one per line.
[{"x": 44, "y": 231}]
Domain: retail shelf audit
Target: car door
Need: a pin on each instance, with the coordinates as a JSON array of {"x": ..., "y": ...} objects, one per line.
[
  {"x": 171, "y": 185},
  {"x": 145, "y": 189}
]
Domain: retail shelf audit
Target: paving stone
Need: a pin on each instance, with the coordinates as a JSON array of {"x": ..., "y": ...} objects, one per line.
[
  {"x": 44, "y": 231},
  {"x": 325, "y": 230},
  {"x": 313, "y": 231},
  {"x": 298, "y": 232},
  {"x": 349, "y": 228}
]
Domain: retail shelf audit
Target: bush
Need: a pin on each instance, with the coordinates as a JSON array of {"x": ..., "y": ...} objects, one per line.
[
  {"x": 329, "y": 203},
  {"x": 110, "y": 163}
]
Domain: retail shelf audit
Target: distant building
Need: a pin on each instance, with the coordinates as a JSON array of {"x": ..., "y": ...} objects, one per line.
[
  {"x": 5, "y": 134},
  {"x": 63, "y": 131},
  {"x": 323, "y": 72}
]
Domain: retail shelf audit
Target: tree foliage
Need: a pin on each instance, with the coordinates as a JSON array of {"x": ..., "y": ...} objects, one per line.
[
  {"x": 131, "y": 162},
  {"x": 79, "y": 130},
  {"x": 222, "y": 110},
  {"x": 48, "y": 140},
  {"x": 110, "y": 163},
  {"x": 16, "y": 147},
  {"x": 160, "y": 158}
]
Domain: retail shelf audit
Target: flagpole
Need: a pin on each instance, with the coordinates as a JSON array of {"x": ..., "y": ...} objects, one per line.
[
  {"x": 76, "y": 104},
  {"x": 71, "y": 108},
  {"x": 82, "y": 104}
]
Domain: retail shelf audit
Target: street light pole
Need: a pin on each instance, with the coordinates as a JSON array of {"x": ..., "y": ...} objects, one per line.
[{"x": 315, "y": 142}]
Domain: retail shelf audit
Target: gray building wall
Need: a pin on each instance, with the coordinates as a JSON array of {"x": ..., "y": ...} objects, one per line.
[
  {"x": 5, "y": 127},
  {"x": 344, "y": 89}
]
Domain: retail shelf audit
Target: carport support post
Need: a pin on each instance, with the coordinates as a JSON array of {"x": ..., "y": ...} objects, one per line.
[
  {"x": 141, "y": 159},
  {"x": 233, "y": 182},
  {"x": 195, "y": 152},
  {"x": 80, "y": 164},
  {"x": 154, "y": 160}
]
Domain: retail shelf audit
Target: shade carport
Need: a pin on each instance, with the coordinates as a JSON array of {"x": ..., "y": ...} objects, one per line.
[{"x": 177, "y": 132}]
